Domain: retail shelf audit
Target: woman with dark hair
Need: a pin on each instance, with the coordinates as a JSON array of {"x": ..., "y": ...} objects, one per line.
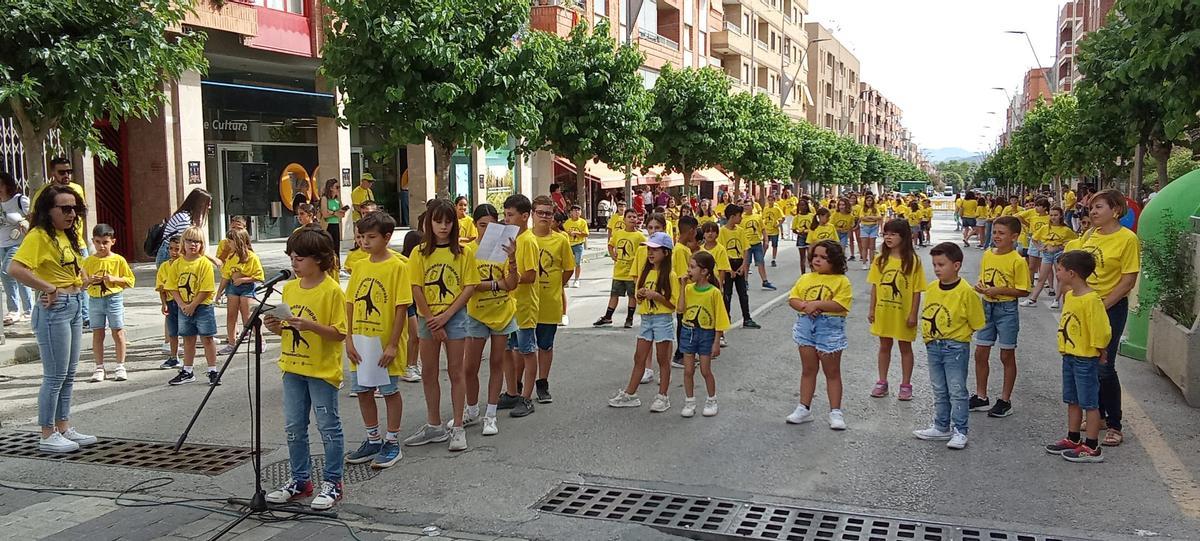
[
  {"x": 14, "y": 224},
  {"x": 332, "y": 211},
  {"x": 49, "y": 261},
  {"x": 193, "y": 212}
]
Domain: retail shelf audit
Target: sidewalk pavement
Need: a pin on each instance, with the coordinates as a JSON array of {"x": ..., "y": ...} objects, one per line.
[{"x": 143, "y": 316}]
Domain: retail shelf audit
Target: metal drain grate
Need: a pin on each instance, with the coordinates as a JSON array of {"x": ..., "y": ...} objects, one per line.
[
  {"x": 196, "y": 459},
  {"x": 724, "y": 519},
  {"x": 278, "y": 473}
]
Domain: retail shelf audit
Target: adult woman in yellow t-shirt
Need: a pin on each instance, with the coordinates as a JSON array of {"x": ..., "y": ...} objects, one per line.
[{"x": 48, "y": 261}]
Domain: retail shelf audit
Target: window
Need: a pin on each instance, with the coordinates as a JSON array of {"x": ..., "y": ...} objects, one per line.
[
  {"x": 701, "y": 44},
  {"x": 290, "y": 6},
  {"x": 648, "y": 18},
  {"x": 746, "y": 23},
  {"x": 600, "y": 7},
  {"x": 745, "y": 73}
]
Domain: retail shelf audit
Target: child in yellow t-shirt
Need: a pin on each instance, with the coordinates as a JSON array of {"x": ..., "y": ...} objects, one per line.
[
  {"x": 822, "y": 300},
  {"x": 622, "y": 248},
  {"x": 193, "y": 288},
  {"x": 169, "y": 309},
  {"x": 577, "y": 231},
  {"x": 241, "y": 270},
  {"x": 657, "y": 294},
  {"x": 106, "y": 275},
  {"x": 703, "y": 321},
  {"x": 772, "y": 219},
  {"x": 896, "y": 279},
  {"x": 1052, "y": 238},
  {"x": 1003, "y": 277}
]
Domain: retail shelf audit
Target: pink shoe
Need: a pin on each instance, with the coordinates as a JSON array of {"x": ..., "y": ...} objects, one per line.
[
  {"x": 880, "y": 390},
  {"x": 905, "y": 392}
]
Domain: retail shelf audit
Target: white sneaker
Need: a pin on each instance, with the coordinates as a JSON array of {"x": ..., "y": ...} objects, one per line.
[
  {"x": 932, "y": 433},
  {"x": 120, "y": 374},
  {"x": 648, "y": 376},
  {"x": 624, "y": 400},
  {"x": 837, "y": 420},
  {"x": 57, "y": 443},
  {"x": 411, "y": 374},
  {"x": 81, "y": 439},
  {"x": 489, "y": 426},
  {"x": 566, "y": 320},
  {"x": 458, "y": 438},
  {"x": 689, "y": 407},
  {"x": 1054, "y": 305},
  {"x": 865, "y": 266},
  {"x": 469, "y": 419},
  {"x": 800, "y": 415},
  {"x": 724, "y": 343},
  {"x": 98, "y": 375},
  {"x": 225, "y": 350},
  {"x": 710, "y": 407},
  {"x": 957, "y": 441},
  {"x": 661, "y": 403},
  {"x": 1028, "y": 302},
  {"x": 575, "y": 283}
]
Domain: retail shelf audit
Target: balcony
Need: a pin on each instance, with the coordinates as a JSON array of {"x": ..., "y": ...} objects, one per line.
[
  {"x": 1066, "y": 50},
  {"x": 646, "y": 35},
  {"x": 731, "y": 40},
  {"x": 554, "y": 16}
]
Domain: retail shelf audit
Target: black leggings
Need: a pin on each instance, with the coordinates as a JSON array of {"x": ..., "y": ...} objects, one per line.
[
  {"x": 335, "y": 231},
  {"x": 737, "y": 281},
  {"x": 1110, "y": 383}
]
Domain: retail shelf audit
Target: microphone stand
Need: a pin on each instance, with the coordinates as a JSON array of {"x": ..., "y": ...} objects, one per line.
[{"x": 257, "y": 504}]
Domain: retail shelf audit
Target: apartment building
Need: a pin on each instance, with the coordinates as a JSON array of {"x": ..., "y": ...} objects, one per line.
[
  {"x": 761, "y": 46},
  {"x": 880, "y": 122},
  {"x": 1075, "y": 20},
  {"x": 833, "y": 78}
]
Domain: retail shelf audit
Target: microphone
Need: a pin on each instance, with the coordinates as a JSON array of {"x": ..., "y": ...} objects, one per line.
[{"x": 283, "y": 275}]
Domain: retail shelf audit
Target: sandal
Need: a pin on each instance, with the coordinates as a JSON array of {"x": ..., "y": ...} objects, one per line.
[{"x": 1113, "y": 438}]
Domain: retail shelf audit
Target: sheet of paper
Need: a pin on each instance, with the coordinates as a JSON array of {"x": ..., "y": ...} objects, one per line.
[
  {"x": 281, "y": 310},
  {"x": 370, "y": 349},
  {"x": 495, "y": 238}
]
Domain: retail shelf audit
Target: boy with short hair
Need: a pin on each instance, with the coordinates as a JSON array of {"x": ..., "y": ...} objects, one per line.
[
  {"x": 772, "y": 219},
  {"x": 193, "y": 289},
  {"x": 577, "y": 231},
  {"x": 377, "y": 301},
  {"x": 752, "y": 228},
  {"x": 622, "y": 247},
  {"x": 1003, "y": 277},
  {"x": 522, "y": 345},
  {"x": 106, "y": 274},
  {"x": 688, "y": 244},
  {"x": 555, "y": 265},
  {"x": 1083, "y": 336},
  {"x": 734, "y": 241},
  {"x": 169, "y": 309},
  {"x": 951, "y": 314}
]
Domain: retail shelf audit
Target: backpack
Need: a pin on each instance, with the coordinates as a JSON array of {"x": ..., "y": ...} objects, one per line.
[{"x": 154, "y": 238}]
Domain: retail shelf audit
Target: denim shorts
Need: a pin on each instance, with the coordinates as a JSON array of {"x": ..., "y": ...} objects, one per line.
[
  {"x": 386, "y": 390},
  {"x": 172, "y": 319},
  {"x": 456, "y": 327},
  {"x": 756, "y": 254},
  {"x": 844, "y": 239},
  {"x": 244, "y": 290},
  {"x": 826, "y": 333},
  {"x": 868, "y": 231},
  {"x": 1001, "y": 325},
  {"x": 802, "y": 240},
  {"x": 696, "y": 341},
  {"x": 1081, "y": 381},
  {"x": 479, "y": 329},
  {"x": 622, "y": 288},
  {"x": 916, "y": 228},
  {"x": 544, "y": 335},
  {"x": 658, "y": 327},
  {"x": 202, "y": 322},
  {"x": 968, "y": 222},
  {"x": 1035, "y": 249},
  {"x": 773, "y": 240},
  {"x": 1050, "y": 258},
  {"x": 107, "y": 312},
  {"x": 412, "y": 310},
  {"x": 523, "y": 341},
  {"x": 577, "y": 250}
]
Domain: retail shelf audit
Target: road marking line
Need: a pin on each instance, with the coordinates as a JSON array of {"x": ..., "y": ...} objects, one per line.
[
  {"x": 760, "y": 310},
  {"x": 1180, "y": 483}
]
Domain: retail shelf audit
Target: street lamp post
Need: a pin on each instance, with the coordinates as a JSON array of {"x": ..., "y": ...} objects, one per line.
[
  {"x": 1049, "y": 80},
  {"x": 789, "y": 83}
]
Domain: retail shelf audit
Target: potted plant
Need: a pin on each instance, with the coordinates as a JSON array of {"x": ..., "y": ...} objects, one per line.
[{"x": 1173, "y": 344}]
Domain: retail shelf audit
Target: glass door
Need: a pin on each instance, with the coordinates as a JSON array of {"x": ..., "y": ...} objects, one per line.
[{"x": 227, "y": 154}]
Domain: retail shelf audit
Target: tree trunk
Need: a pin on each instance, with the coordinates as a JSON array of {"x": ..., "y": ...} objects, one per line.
[
  {"x": 441, "y": 169},
  {"x": 581, "y": 187},
  {"x": 1162, "y": 153},
  {"x": 687, "y": 184},
  {"x": 1139, "y": 168}
]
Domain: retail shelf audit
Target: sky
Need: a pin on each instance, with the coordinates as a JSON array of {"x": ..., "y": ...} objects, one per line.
[{"x": 938, "y": 60}]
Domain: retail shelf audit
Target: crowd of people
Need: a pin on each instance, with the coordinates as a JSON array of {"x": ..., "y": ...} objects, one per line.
[{"x": 677, "y": 264}]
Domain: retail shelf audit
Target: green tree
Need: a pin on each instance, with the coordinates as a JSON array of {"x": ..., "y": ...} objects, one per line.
[
  {"x": 1031, "y": 144},
  {"x": 767, "y": 145},
  {"x": 696, "y": 124},
  {"x": 458, "y": 72},
  {"x": 68, "y": 63}
]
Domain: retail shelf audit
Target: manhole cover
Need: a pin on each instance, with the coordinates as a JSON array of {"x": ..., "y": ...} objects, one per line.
[
  {"x": 159, "y": 456},
  {"x": 278, "y": 473},
  {"x": 701, "y": 517}
]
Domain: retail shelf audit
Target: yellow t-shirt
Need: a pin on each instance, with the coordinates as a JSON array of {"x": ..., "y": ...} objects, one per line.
[
  {"x": 679, "y": 260},
  {"x": 1069, "y": 200},
  {"x": 442, "y": 275},
  {"x": 165, "y": 275},
  {"x": 950, "y": 314},
  {"x": 814, "y": 286},
  {"x": 353, "y": 257},
  {"x": 374, "y": 292},
  {"x": 527, "y": 294},
  {"x": 705, "y": 309},
  {"x": 1083, "y": 328},
  {"x": 493, "y": 308},
  {"x": 802, "y": 223},
  {"x": 223, "y": 245},
  {"x": 1116, "y": 254},
  {"x": 359, "y": 196},
  {"x": 958, "y": 205},
  {"x": 734, "y": 241},
  {"x": 772, "y": 219},
  {"x": 894, "y": 297},
  {"x": 720, "y": 257},
  {"x": 792, "y": 203},
  {"x": 467, "y": 230},
  {"x": 616, "y": 223},
  {"x": 1012, "y": 210},
  {"x": 970, "y": 208},
  {"x": 913, "y": 217},
  {"x": 305, "y": 352},
  {"x": 251, "y": 266},
  {"x": 870, "y": 215},
  {"x": 841, "y": 221},
  {"x": 554, "y": 259},
  {"x": 577, "y": 230},
  {"x": 51, "y": 258},
  {"x": 1036, "y": 223},
  {"x": 752, "y": 228},
  {"x": 820, "y": 233},
  {"x": 926, "y": 214},
  {"x": 1008, "y": 270},
  {"x": 701, "y": 220},
  {"x": 1054, "y": 236},
  {"x": 648, "y": 307},
  {"x": 113, "y": 265},
  {"x": 625, "y": 245},
  {"x": 719, "y": 209},
  {"x": 194, "y": 277}
]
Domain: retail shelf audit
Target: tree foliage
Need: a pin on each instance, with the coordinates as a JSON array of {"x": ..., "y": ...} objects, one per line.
[
  {"x": 65, "y": 64},
  {"x": 767, "y": 146},
  {"x": 697, "y": 124}
]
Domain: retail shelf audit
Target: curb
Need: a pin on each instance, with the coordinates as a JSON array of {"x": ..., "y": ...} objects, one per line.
[{"x": 28, "y": 352}]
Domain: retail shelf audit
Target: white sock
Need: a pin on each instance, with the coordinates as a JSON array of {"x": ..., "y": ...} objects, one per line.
[
  {"x": 491, "y": 410},
  {"x": 187, "y": 369},
  {"x": 473, "y": 410}
]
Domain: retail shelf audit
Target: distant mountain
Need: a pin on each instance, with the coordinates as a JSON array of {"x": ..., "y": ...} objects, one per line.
[{"x": 937, "y": 155}]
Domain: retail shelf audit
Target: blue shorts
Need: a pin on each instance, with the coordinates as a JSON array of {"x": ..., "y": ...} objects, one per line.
[
  {"x": 915, "y": 228},
  {"x": 756, "y": 254},
  {"x": 696, "y": 341},
  {"x": 479, "y": 329},
  {"x": 412, "y": 310},
  {"x": 202, "y": 322},
  {"x": 524, "y": 341},
  {"x": 844, "y": 238},
  {"x": 802, "y": 240},
  {"x": 1081, "y": 381},
  {"x": 544, "y": 334},
  {"x": 1035, "y": 249},
  {"x": 107, "y": 312},
  {"x": 385, "y": 390},
  {"x": 868, "y": 231},
  {"x": 659, "y": 327},
  {"x": 968, "y": 222},
  {"x": 456, "y": 327},
  {"x": 1001, "y": 325},
  {"x": 773, "y": 240},
  {"x": 577, "y": 250},
  {"x": 172, "y": 319},
  {"x": 1051, "y": 257},
  {"x": 826, "y": 333},
  {"x": 244, "y": 290}
]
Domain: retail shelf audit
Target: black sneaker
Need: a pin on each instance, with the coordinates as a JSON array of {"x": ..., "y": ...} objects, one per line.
[
  {"x": 523, "y": 408},
  {"x": 507, "y": 401},
  {"x": 214, "y": 378},
  {"x": 629, "y": 323},
  {"x": 750, "y": 324},
  {"x": 542, "y": 388},
  {"x": 979, "y": 404},
  {"x": 602, "y": 322},
  {"x": 773, "y": 263},
  {"x": 851, "y": 258},
  {"x": 182, "y": 377},
  {"x": 1003, "y": 408},
  {"x": 170, "y": 363}
]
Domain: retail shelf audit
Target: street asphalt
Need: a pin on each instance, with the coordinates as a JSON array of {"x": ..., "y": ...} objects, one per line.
[{"x": 1002, "y": 480}]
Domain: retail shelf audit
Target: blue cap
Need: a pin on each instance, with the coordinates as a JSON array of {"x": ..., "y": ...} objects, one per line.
[{"x": 660, "y": 240}]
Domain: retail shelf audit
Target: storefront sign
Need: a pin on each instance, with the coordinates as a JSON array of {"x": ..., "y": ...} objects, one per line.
[
  {"x": 227, "y": 125},
  {"x": 346, "y": 177},
  {"x": 193, "y": 172}
]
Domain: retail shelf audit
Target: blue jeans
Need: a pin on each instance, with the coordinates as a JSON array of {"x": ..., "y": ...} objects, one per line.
[
  {"x": 987, "y": 235},
  {"x": 948, "y": 361},
  {"x": 84, "y": 252},
  {"x": 1110, "y": 384},
  {"x": 14, "y": 290},
  {"x": 59, "y": 331},
  {"x": 1080, "y": 382},
  {"x": 300, "y": 394}
]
